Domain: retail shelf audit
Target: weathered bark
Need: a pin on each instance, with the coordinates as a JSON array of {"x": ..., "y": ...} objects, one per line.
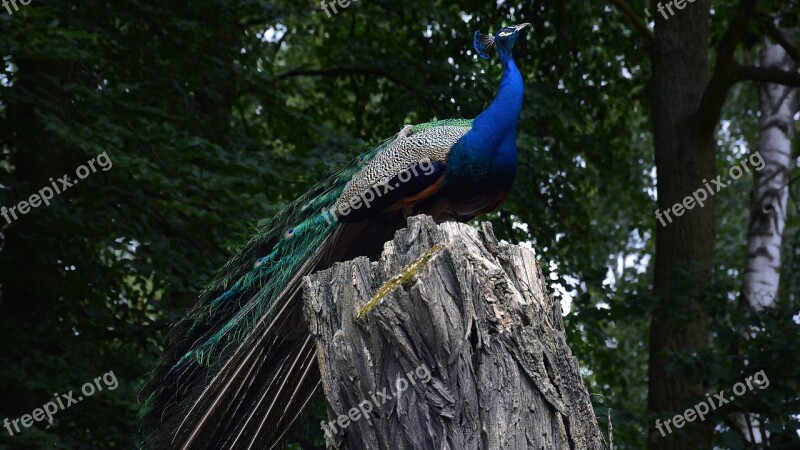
[
  {"x": 452, "y": 306},
  {"x": 770, "y": 193}
]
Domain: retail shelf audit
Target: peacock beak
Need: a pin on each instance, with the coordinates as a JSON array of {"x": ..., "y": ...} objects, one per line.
[{"x": 522, "y": 26}]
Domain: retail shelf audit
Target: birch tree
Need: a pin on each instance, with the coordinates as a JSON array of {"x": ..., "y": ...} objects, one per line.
[
  {"x": 769, "y": 196},
  {"x": 768, "y": 200}
]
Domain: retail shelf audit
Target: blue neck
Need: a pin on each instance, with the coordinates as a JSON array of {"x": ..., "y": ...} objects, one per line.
[
  {"x": 500, "y": 119},
  {"x": 485, "y": 159}
]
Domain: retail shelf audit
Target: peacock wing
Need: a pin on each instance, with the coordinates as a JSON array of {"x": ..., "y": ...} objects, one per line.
[{"x": 406, "y": 172}]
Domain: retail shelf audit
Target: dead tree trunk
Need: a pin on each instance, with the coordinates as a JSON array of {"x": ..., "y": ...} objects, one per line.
[{"x": 450, "y": 341}]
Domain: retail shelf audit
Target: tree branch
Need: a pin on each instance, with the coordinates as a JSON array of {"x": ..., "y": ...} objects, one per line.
[
  {"x": 764, "y": 75},
  {"x": 368, "y": 71},
  {"x": 637, "y": 21},
  {"x": 714, "y": 96},
  {"x": 780, "y": 38}
]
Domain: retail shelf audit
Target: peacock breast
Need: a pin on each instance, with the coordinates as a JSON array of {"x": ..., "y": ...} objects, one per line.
[{"x": 477, "y": 166}]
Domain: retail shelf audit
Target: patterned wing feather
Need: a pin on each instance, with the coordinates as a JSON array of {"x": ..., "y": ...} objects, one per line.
[{"x": 410, "y": 165}]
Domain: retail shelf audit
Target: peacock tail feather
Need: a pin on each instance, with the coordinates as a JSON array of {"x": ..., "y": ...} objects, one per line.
[{"x": 214, "y": 369}]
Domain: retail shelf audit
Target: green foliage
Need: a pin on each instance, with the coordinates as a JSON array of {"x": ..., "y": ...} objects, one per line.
[{"x": 217, "y": 113}]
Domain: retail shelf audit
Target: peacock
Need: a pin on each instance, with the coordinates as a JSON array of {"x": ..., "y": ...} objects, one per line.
[{"x": 239, "y": 369}]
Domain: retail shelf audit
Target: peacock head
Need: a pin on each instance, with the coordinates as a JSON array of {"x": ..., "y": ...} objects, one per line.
[{"x": 504, "y": 39}]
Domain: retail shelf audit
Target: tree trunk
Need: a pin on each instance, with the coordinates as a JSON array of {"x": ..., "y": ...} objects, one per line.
[
  {"x": 768, "y": 201},
  {"x": 770, "y": 193},
  {"x": 685, "y": 157},
  {"x": 450, "y": 341}
]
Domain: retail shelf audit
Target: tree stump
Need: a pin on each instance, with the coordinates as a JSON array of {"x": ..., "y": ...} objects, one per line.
[{"x": 450, "y": 341}]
